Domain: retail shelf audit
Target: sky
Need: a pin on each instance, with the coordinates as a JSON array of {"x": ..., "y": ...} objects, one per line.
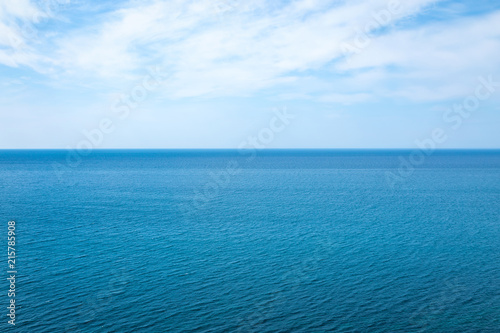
[{"x": 94, "y": 74}]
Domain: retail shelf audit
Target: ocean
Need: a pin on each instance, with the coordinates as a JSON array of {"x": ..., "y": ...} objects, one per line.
[{"x": 253, "y": 241}]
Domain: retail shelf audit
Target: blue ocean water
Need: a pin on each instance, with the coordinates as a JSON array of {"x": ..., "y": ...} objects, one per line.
[{"x": 276, "y": 241}]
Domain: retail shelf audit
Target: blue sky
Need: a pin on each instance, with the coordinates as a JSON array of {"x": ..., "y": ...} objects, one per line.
[{"x": 354, "y": 74}]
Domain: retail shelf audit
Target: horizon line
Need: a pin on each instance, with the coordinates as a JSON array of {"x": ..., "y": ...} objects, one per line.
[{"x": 245, "y": 149}]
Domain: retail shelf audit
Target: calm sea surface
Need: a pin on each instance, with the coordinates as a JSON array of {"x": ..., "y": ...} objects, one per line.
[{"x": 223, "y": 241}]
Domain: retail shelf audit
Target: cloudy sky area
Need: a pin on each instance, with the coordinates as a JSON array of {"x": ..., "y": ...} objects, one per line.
[{"x": 355, "y": 74}]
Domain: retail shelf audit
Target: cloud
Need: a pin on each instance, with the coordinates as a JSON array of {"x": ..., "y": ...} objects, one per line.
[
  {"x": 252, "y": 46},
  {"x": 211, "y": 48},
  {"x": 17, "y": 20},
  {"x": 434, "y": 61}
]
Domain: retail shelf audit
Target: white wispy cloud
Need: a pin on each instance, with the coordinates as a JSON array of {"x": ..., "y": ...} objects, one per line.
[
  {"x": 16, "y": 27},
  {"x": 435, "y": 61},
  {"x": 233, "y": 48},
  {"x": 250, "y": 47}
]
